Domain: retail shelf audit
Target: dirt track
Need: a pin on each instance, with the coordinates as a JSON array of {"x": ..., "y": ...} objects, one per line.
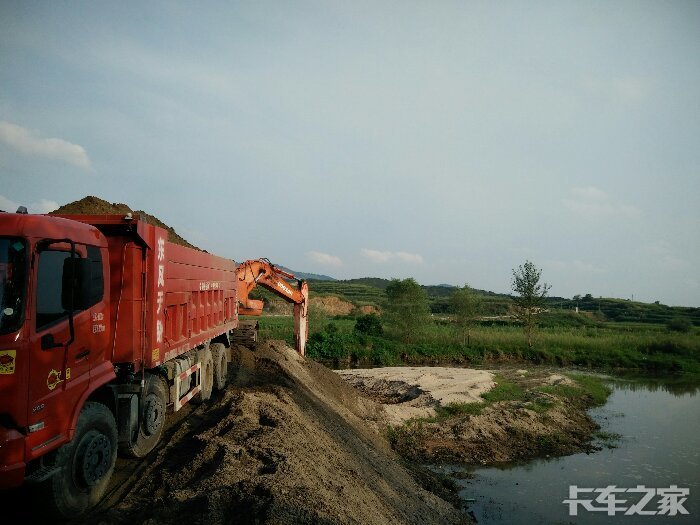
[{"x": 287, "y": 442}]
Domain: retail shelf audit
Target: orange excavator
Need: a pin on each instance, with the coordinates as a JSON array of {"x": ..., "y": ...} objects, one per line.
[{"x": 261, "y": 272}]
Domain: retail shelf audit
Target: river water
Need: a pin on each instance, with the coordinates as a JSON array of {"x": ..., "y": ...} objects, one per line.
[{"x": 659, "y": 447}]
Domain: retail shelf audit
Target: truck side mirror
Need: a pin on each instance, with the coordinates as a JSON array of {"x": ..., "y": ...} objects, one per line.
[{"x": 77, "y": 276}]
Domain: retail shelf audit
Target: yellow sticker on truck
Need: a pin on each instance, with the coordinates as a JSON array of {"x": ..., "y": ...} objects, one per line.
[
  {"x": 54, "y": 379},
  {"x": 7, "y": 361}
]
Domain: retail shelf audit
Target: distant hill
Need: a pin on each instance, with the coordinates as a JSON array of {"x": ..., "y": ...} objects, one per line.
[
  {"x": 371, "y": 290},
  {"x": 308, "y": 276},
  {"x": 313, "y": 276},
  {"x": 626, "y": 311}
]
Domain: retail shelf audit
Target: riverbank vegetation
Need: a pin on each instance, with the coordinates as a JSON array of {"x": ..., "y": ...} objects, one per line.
[
  {"x": 529, "y": 413},
  {"x": 607, "y": 346},
  {"x": 477, "y": 328}
]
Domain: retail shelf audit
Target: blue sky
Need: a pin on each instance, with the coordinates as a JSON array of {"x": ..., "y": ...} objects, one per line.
[{"x": 447, "y": 141}]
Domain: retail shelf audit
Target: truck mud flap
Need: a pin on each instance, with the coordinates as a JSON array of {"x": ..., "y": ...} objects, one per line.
[
  {"x": 179, "y": 402},
  {"x": 128, "y": 417}
]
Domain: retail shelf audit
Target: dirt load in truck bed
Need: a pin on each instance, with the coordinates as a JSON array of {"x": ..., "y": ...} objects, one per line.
[
  {"x": 287, "y": 442},
  {"x": 95, "y": 206}
]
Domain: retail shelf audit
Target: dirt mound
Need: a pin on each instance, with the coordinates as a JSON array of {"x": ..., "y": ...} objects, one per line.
[
  {"x": 368, "y": 309},
  {"x": 332, "y": 305},
  {"x": 95, "y": 206},
  {"x": 325, "y": 305},
  {"x": 287, "y": 442}
]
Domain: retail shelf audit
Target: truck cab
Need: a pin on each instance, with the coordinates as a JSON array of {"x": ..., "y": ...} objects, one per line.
[{"x": 54, "y": 334}]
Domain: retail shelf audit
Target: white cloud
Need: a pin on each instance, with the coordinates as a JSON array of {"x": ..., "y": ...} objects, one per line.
[
  {"x": 324, "y": 258},
  {"x": 44, "y": 206},
  {"x": 662, "y": 252},
  {"x": 23, "y": 141},
  {"x": 628, "y": 89},
  {"x": 576, "y": 266},
  {"x": 386, "y": 256},
  {"x": 590, "y": 192},
  {"x": 585, "y": 267},
  {"x": 7, "y": 205},
  {"x": 593, "y": 203},
  {"x": 41, "y": 206}
]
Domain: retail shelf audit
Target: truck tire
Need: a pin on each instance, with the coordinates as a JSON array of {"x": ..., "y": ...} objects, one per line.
[
  {"x": 218, "y": 353},
  {"x": 153, "y": 408},
  {"x": 85, "y": 464},
  {"x": 207, "y": 375}
]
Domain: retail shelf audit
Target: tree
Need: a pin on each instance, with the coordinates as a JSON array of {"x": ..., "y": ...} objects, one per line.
[
  {"x": 530, "y": 297},
  {"x": 465, "y": 305},
  {"x": 407, "y": 309},
  {"x": 369, "y": 324}
]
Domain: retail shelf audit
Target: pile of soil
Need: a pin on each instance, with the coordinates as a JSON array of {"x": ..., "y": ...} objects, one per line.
[
  {"x": 368, "y": 309},
  {"x": 95, "y": 206},
  {"x": 287, "y": 442}
]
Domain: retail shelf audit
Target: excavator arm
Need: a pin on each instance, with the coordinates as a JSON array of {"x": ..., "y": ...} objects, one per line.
[{"x": 261, "y": 272}]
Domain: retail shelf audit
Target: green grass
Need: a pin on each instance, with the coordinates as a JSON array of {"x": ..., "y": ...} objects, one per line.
[
  {"x": 541, "y": 405},
  {"x": 459, "y": 409},
  {"x": 608, "y": 439},
  {"x": 607, "y": 346},
  {"x": 504, "y": 391},
  {"x": 593, "y": 387}
]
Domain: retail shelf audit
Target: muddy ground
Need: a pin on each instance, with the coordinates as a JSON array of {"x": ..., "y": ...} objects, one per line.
[
  {"x": 536, "y": 424},
  {"x": 287, "y": 442}
]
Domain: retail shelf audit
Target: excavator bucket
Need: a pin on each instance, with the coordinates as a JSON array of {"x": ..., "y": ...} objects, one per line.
[{"x": 301, "y": 319}]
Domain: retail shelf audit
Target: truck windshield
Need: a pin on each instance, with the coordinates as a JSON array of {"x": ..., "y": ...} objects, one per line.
[{"x": 13, "y": 283}]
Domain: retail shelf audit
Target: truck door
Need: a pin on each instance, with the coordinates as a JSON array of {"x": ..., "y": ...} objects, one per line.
[{"x": 60, "y": 369}]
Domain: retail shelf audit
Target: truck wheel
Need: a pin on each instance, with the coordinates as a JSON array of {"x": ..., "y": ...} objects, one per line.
[
  {"x": 218, "y": 352},
  {"x": 85, "y": 464},
  {"x": 207, "y": 375},
  {"x": 152, "y": 419}
]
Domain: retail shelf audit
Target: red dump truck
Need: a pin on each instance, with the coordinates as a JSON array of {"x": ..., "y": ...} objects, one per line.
[{"x": 104, "y": 324}]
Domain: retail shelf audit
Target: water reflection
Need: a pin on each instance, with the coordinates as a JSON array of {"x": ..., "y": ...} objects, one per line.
[{"x": 678, "y": 386}]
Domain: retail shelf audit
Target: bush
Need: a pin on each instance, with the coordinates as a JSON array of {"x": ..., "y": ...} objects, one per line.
[
  {"x": 679, "y": 324},
  {"x": 331, "y": 344},
  {"x": 369, "y": 324}
]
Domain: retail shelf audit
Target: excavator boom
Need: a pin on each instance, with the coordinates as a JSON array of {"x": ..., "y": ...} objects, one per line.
[{"x": 261, "y": 272}]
